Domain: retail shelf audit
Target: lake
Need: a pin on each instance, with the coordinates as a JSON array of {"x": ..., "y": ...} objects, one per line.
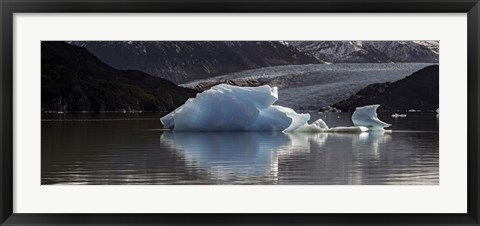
[{"x": 117, "y": 148}]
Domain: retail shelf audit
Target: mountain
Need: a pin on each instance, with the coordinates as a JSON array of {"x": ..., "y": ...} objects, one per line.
[
  {"x": 371, "y": 51},
  {"x": 202, "y": 86},
  {"x": 183, "y": 61},
  {"x": 73, "y": 79},
  {"x": 418, "y": 91},
  {"x": 312, "y": 86}
]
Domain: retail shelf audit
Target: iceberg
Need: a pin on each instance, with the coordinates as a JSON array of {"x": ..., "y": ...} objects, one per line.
[
  {"x": 367, "y": 116},
  {"x": 231, "y": 108},
  {"x": 396, "y": 115}
]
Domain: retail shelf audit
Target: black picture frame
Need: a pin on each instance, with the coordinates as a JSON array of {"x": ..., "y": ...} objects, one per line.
[{"x": 9, "y": 7}]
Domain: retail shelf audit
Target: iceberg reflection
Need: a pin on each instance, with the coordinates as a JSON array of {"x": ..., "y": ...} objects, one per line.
[{"x": 236, "y": 156}]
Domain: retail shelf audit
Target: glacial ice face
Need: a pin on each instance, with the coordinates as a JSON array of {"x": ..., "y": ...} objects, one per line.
[
  {"x": 367, "y": 117},
  {"x": 232, "y": 108}
]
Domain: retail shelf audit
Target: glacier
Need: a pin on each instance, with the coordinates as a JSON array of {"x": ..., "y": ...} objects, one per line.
[{"x": 232, "y": 108}]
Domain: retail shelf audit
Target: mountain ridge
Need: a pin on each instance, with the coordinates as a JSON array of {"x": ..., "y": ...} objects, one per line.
[
  {"x": 182, "y": 61},
  {"x": 73, "y": 79},
  {"x": 371, "y": 51},
  {"x": 418, "y": 91}
]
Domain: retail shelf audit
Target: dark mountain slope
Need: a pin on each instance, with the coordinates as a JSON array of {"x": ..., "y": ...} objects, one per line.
[
  {"x": 182, "y": 61},
  {"x": 418, "y": 91},
  {"x": 371, "y": 51},
  {"x": 75, "y": 80}
]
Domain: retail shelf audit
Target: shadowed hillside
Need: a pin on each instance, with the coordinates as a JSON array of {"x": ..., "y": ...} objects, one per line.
[
  {"x": 418, "y": 91},
  {"x": 183, "y": 61},
  {"x": 73, "y": 79}
]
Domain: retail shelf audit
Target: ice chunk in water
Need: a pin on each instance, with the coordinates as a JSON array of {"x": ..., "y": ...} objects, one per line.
[
  {"x": 367, "y": 116},
  {"x": 232, "y": 108}
]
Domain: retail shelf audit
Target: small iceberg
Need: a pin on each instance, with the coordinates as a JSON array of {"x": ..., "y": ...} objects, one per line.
[
  {"x": 413, "y": 110},
  {"x": 232, "y": 108},
  {"x": 329, "y": 109},
  {"x": 396, "y": 115},
  {"x": 367, "y": 116}
]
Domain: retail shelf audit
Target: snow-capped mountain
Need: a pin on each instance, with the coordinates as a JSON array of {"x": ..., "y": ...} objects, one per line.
[
  {"x": 370, "y": 51},
  {"x": 182, "y": 61},
  {"x": 433, "y": 45}
]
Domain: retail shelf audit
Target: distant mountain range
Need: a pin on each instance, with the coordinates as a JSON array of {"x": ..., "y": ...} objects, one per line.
[
  {"x": 419, "y": 91},
  {"x": 371, "y": 51},
  {"x": 180, "y": 61},
  {"x": 83, "y": 76},
  {"x": 75, "y": 80},
  {"x": 184, "y": 61}
]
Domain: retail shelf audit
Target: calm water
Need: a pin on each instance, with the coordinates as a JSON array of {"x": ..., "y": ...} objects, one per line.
[{"x": 133, "y": 149}]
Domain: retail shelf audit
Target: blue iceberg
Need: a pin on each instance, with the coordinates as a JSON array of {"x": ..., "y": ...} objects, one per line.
[
  {"x": 232, "y": 108},
  {"x": 367, "y": 116}
]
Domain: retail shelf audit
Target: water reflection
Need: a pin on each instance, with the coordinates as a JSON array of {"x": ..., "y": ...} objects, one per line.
[
  {"x": 130, "y": 151},
  {"x": 235, "y": 157},
  {"x": 298, "y": 158}
]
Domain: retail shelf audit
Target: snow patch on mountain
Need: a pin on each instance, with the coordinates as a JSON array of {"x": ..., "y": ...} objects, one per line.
[{"x": 371, "y": 51}]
